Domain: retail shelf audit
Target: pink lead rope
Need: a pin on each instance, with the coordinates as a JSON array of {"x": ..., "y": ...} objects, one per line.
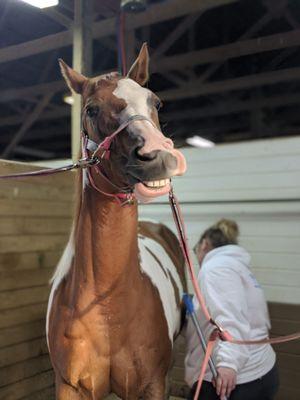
[{"x": 218, "y": 333}]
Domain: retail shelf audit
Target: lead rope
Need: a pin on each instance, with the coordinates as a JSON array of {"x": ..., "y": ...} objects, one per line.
[{"x": 218, "y": 333}]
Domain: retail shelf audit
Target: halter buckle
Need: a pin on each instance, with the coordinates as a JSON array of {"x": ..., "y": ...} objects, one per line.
[
  {"x": 86, "y": 162},
  {"x": 129, "y": 199},
  {"x": 219, "y": 328}
]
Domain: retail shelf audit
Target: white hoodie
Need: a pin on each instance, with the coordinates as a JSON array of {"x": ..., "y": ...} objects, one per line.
[{"x": 236, "y": 302}]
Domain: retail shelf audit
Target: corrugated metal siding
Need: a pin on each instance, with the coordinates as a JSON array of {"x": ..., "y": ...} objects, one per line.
[{"x": 258, "y": 185}]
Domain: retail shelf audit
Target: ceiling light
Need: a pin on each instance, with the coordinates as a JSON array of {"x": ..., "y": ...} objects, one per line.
[
  {"x": 133, "y": 5},
  {"x": 42, "y": 3},
  {"x": 69, "y": 99},
  {"x": 198, "y": 141}
]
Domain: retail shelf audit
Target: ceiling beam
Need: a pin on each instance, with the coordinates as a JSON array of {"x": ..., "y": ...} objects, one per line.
[
  {"x": 35, "y": 90},
  {"x": 59, "y": 17},
  {"x": 32, "y": 117},
  {"x": 26, "y": 151},
  {"x": 38, "y": 133},
  {"x": 225, "y": 108},
  {"x": 228, "y": 51},
  {"x": 256, "y": 27},
  {"x": 60, "y": 112},
  {"x": 197, "y": 88},
  {"x": 182, "y": 61},
  {"x": 218, "y": 109},
  {"x": 154, "y": 14},
  {"x": 179, "y": 30}
]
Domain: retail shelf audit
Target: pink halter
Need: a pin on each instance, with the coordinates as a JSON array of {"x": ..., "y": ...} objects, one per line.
[{"x": 125, "y": 196}]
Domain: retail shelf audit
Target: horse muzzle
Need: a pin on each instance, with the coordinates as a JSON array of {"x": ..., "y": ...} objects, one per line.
[{"x": 152, "y": 172}]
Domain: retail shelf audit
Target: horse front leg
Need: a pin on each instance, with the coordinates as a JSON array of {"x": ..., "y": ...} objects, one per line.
[
  {"x": 64, "y": 391},
  {"x": 157, "y": 390}
]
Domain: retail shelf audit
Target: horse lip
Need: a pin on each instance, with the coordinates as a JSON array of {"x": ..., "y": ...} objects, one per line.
[
  {"x": 139, "y": 176},
  {"x": 181, "y": 162},
  {"x": 145, "y": 195}
]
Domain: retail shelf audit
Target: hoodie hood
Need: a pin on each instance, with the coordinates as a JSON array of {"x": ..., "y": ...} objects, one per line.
[{"x": 232, "y": 251}]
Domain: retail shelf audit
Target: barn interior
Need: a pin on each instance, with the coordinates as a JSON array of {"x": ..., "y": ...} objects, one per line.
[{"x": 227, "y": 71}]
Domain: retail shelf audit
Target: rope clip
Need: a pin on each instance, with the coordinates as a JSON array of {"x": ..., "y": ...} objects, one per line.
[{"x": 86, "y": 162}]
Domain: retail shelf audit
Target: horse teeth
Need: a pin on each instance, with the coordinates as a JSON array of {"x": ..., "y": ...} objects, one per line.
[{"x": 157, "y": 184}]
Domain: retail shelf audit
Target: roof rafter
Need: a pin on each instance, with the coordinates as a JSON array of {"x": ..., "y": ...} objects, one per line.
[
  {"x": 197, "y": 88},
  {"x": 235, "y": 107},
  {"x": 182, "y": 61},
  {"x": 154, "y": 14}
]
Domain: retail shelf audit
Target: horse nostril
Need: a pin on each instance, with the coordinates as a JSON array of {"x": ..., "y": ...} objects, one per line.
[{"x": 146, "y": 156}]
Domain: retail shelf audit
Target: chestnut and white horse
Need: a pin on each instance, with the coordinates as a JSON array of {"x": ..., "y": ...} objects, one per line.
[{"x": 115, "y": 304}]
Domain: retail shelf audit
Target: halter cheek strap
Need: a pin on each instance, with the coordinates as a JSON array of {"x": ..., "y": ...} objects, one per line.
[
  {"x": 106, "y": 143},
  {"x": 124, "y": 196}
]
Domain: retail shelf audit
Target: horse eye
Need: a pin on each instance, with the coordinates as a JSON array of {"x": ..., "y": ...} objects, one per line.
[
  {"x": 158, "y": 104},
  {"x": 92, "y": 111}
]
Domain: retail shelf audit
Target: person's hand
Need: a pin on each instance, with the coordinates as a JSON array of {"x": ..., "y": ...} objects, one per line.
[{"x": 225, "y": 382}]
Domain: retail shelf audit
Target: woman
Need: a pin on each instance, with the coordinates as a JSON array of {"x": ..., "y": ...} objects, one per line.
[{"x": 236, "y": 302}]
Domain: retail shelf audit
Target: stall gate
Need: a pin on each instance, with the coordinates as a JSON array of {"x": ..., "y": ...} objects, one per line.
[{"x": 256, "y": 183}]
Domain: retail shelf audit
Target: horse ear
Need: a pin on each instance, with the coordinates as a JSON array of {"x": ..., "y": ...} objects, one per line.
[
  {"x": 74, "y": 79},
  {"x": 139, "y": 71}
]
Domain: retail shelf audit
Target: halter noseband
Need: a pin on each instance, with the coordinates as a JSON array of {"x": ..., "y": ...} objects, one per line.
[{"x": 124, "y": 196}]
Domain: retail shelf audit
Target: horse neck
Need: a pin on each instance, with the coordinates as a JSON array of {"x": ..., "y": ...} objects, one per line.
[{"x": 106, "y": 255}]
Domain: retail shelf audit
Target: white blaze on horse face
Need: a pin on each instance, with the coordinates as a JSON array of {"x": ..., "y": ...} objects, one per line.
[
  {"x": 139, "y": 102},
  {"x": 136, "y": 97}
]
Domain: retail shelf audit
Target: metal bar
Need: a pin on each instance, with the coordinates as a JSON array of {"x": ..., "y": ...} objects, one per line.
[
  {"x": 191, "y": 311},
  {"x": 82, "y": 62}
]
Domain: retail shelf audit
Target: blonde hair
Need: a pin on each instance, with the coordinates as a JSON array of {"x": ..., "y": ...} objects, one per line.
[
  {"x": 222, "y": 233},
  {"x": 229, "y": 228}
]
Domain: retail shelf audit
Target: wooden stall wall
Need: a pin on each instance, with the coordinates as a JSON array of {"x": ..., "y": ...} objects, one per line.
[
  {"x": 257, "y": 184},
  {"x": 35, "y": 218}
]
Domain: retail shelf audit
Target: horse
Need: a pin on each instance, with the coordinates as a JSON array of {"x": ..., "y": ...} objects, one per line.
[{"x": 115, "y": 304}]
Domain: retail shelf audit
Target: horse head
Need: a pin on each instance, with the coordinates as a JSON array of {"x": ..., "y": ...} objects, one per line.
[{"x": 142, "y": 158}]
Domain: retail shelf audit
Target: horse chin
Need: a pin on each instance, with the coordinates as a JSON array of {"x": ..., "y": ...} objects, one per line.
[{"x": 145, "y": 194}]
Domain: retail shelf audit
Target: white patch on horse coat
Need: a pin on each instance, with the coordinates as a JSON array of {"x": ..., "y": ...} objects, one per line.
[
  {"x": 159, "y": 275},
  {"x": 85, "y": 179},
  {"x": 137, "y": 99},
  {"x": 62, "y": 269}
]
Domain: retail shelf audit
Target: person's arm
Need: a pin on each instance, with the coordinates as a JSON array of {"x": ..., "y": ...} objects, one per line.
[{"x": 224, "y": 294}]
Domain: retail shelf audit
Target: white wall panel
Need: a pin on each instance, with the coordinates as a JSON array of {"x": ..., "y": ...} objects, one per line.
[{"x": 257, "y": 184}]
